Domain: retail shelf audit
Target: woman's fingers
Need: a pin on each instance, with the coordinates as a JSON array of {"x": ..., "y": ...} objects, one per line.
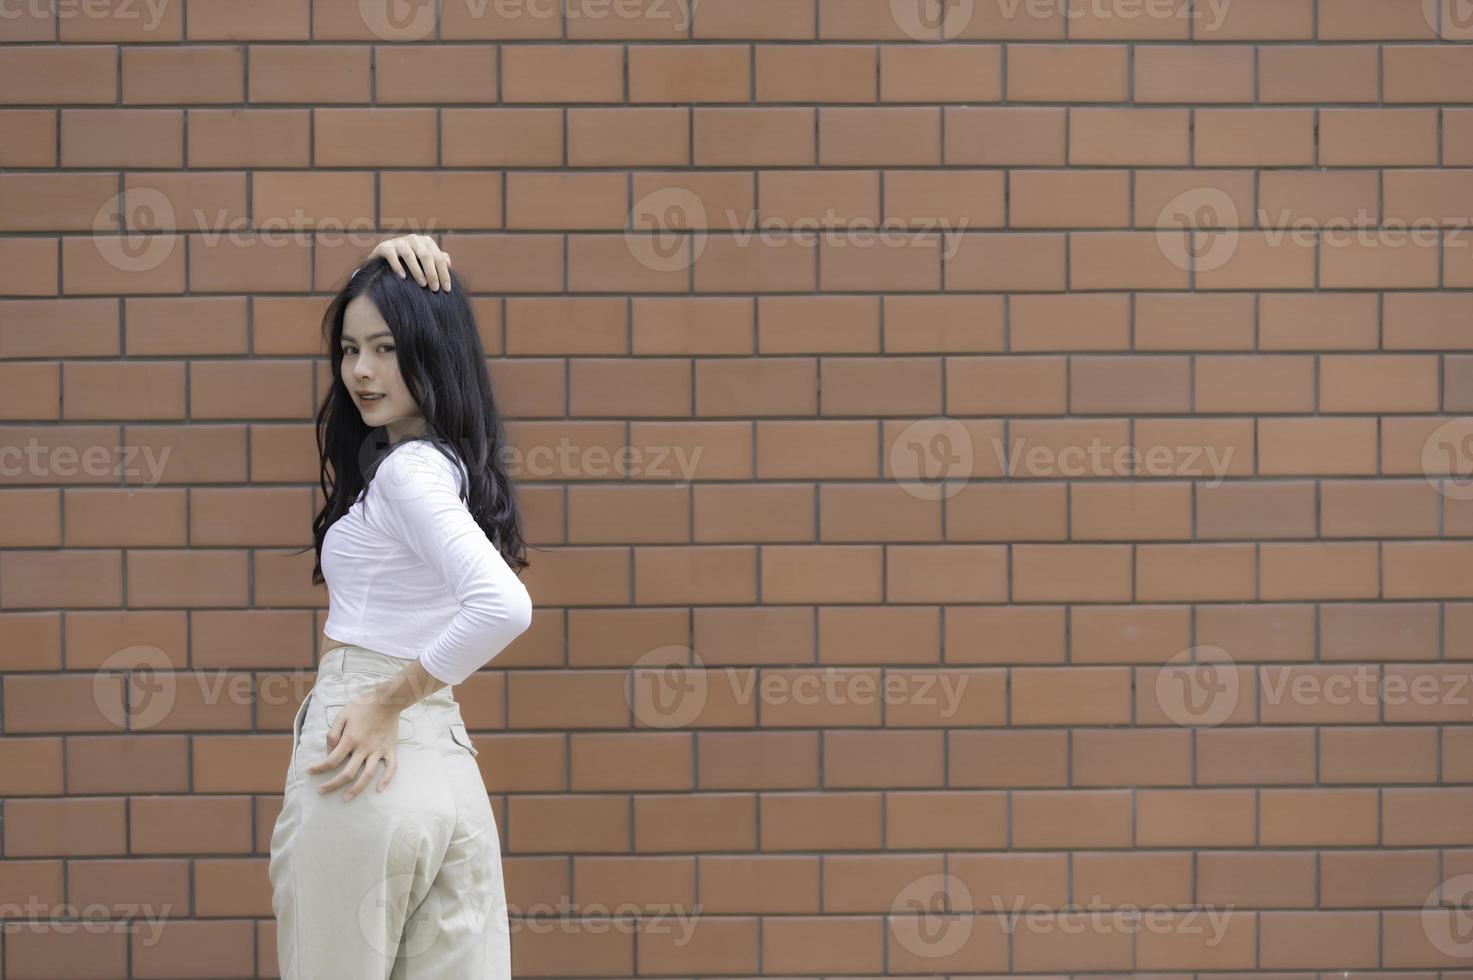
[
  {"x": 386, "y": 249},
  {"x": 417, "y": 248},
  {"x": 417, "y": 255},
  {"x": 412, "y": 263},
  {"x": 391, "y": 762},
  {"x": 392, "y": 256},
  {"x": 409, "y": 253},
  {"x": 425, "y": 255},
  {"x": 369, "y": 768},
  {"x": 442, "y": 267},
  {"x": 349, "y": 770}
]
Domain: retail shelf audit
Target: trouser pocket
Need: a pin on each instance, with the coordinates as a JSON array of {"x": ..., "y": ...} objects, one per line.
[
  {"x": 298, "y": 723},
  {"x": 462, "y": 737},
  {"x": 332, "y": 707}
]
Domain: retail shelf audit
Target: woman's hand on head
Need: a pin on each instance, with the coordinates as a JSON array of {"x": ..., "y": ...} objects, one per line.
[
  {"x": 364, "y": 731},
  {"x": 423, "y": 257}
]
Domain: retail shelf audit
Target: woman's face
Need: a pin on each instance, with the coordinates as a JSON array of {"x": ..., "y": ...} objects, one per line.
[{"x": 371, "y": 366}]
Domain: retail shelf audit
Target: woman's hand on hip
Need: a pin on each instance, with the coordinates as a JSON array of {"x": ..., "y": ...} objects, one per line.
[{"x": 364, "y": 731}]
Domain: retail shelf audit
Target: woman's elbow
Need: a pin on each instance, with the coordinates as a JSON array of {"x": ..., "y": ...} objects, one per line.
[
  {"x": 519, "y": 610},
  {"x": 506, "y": 614}
]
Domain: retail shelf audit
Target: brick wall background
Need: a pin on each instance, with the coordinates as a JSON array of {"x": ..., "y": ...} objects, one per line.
[{"x": 1056, "y": 499}]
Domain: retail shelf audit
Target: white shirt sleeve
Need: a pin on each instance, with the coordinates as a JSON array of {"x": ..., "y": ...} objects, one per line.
[{"x": 419, "y": 504}]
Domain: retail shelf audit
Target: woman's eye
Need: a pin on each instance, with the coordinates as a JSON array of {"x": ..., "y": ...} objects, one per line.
[{"x": 385, "y": 346}]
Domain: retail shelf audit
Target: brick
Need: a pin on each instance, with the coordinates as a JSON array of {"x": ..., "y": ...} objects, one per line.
[
  {"x": 586, "y": 73},
  {"x": 827, "y": 73},
  {"x": 84, "y": 74},
  {"x": 1128, "y": 137},
  {"x": 1161, "y": 22},
  {"x": 374, "y": 137},
  {"x": 885, "y": 136},
  {"x": 1061, "y": 199},
  {"x": 1181, "y": 73},
  {"x": 816, "y": 325},
  {"x": 1354, "y": 19},
  {"x": 56, "y": 202},
  {"x": 561, "y": 201},
  {"x": 1308, "y": 73},
  {"x": 30, "y": 138},
  {"x": 275, "y": 20},
  {"x": 122, "y": 138},
  {"x": 1267, "y": 20},
  {"x": 1068, "y": 73},
  {"x": 930, "y": 73},
  {"x": 1000, "y": 135},
  {"x": 1254, "y": 137},
  {"x": 436, "y": 74},
  {"x": 336, "y": 73},
  {"x": 209, "y": 73},
  {"x": 248, "y": 137},
  {"x": 1386, "y": 137},
  {"x": 122, "y": 23},
  {"x": 655, "y": 137},
  {"x": 644, "y": 19},
  {"x": 791, "y": 19},
  {"x": 505, "y": 137}
]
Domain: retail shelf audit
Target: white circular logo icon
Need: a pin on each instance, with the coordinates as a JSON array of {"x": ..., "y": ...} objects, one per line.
[
  {"x": 405, "y": 476},
  {"x": 1198, "y": 229},
  {"x": 932, "y": 458},
  {"x": 134, "y": 231},
  {"x": 661, "y": 224},
  {"x": 925, "y": 921},
  {"x": 378, "y": 912},
  {"x": 667, "y": 687},
  {"x": 1449, "y": 927},
  {"x": 1451, "y": 20},
  {"x": 1447, "y": 458},
  {"x": 150, "y": 682},
  {"x": 932, "y": 20},
  {"x": 1198, "y": 686},
  {"x": 398, "y": 20}
]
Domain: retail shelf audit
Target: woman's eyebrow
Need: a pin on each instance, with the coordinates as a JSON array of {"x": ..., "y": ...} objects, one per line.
[{"x": 381, "y": 333}]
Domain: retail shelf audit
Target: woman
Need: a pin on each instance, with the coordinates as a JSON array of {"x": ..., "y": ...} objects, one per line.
[{"x": 417, "y": 542}]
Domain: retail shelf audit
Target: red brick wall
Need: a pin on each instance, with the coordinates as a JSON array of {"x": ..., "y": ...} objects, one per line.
[{"x": 1176, "y": 306}]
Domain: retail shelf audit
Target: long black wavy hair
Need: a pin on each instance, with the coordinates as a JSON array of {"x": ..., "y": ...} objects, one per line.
[{"x": 443, "y": 364}]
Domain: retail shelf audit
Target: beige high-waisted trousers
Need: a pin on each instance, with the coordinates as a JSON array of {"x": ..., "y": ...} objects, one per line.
[{"x": 402, "y": 885}]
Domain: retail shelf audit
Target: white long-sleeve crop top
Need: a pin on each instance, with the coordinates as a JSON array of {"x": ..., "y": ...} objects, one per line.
[{"x": 410, "y": 573}]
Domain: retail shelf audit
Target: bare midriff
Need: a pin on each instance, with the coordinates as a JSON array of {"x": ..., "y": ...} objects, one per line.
[{"x": 328, "y": 643}]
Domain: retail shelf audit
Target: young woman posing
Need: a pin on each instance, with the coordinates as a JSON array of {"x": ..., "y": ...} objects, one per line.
[{"x": 420, "y": 546}]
